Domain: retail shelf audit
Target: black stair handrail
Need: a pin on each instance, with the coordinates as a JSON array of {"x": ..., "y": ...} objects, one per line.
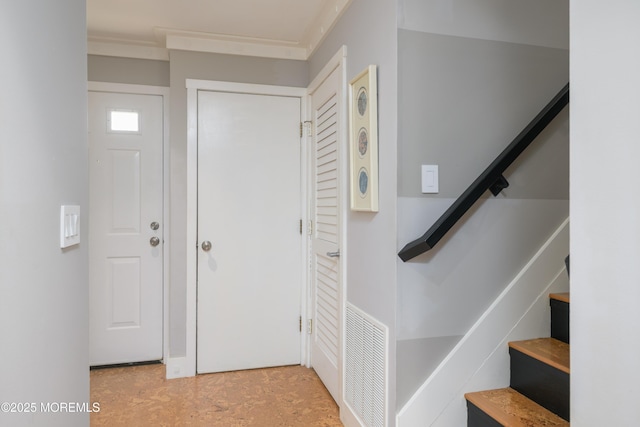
[{"x": 490, "y": 179}]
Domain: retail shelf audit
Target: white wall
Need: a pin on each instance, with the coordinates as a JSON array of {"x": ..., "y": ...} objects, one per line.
[
  {"x": 44, "y": 350},
  {"x": 605, "y": 212}
]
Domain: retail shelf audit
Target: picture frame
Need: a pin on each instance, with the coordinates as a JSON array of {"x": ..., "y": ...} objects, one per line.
[{"x": 363, "y": 140}]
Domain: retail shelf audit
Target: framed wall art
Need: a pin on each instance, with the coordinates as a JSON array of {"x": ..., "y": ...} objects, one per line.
[{"x": 363, "y": 140}]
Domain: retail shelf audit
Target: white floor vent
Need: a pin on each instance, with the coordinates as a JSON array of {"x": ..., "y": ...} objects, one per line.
[{"x": 366, "y": 367}]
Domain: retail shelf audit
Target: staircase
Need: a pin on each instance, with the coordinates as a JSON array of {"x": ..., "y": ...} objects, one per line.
[{"x": 539, "y": 391}]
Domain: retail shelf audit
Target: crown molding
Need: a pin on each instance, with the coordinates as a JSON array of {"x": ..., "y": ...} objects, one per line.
[
  {"x": 126, "y": 49},
  {"x": 168, "y": 39},
  {"x": 231, "y": 45},
  {"x": 324, "y": 23}
]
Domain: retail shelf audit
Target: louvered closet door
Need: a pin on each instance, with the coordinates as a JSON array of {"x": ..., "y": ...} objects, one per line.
[{"x": 326, "y": 336}]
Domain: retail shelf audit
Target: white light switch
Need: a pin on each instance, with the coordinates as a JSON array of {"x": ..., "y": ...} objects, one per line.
[
  {"x": 69, "y": 225},
  {"x": 430, "y": 179}
]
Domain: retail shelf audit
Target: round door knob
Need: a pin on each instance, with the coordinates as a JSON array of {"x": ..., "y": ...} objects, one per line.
[
  {"x": 154, "y": 241},
  {"x": 206, "y": 246}
]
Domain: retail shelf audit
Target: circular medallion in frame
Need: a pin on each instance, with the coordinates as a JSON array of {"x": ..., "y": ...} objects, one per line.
[
  {"x": 363, "y": 182},
  {"x": 363, "y": 142},
  {"x": 363, "y": 101}
]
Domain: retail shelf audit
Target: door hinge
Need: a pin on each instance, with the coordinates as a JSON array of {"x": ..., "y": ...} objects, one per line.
[
  {"x": 305, "y": 125},
  {"x": 301, "y": 227},
  {"x": 310, "y": 228},
  {"x": 300, "y": 323},
  {"x": 310, "y": 326}
]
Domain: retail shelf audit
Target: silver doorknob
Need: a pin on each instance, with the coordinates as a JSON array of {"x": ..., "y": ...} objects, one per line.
[
  {"x": 154, "y": 241},
  {"x": 154, "y": 226},
  {"x": 206, "y": 246},
  {"x": 335, "y": 254}
]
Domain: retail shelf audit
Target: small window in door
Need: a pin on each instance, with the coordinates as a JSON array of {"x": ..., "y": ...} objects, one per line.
[{"x": 123, "y": 121}]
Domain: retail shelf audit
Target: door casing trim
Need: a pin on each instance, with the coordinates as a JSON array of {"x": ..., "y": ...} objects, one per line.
[
  {"x": 193, "y": 86},
  {"x": 94, "y": 86}
]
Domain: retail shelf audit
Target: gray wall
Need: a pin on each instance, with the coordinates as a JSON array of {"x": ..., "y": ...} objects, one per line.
[
  {"x": 184, "y": 65},
  {"x": 43, "y": 164},
  {"x": 368, "y": 29},
  {"x": 193, "y": 65},
  {"x": 128, "y": 70},
  {"x": 537, "y": 23},
  {"x": 461, "y": 101}
]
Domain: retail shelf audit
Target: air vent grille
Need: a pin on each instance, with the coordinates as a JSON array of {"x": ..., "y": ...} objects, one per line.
[{"x": 366, "y": 367}]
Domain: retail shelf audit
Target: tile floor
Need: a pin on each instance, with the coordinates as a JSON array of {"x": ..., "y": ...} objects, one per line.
[{"x": 141, "y": 396}]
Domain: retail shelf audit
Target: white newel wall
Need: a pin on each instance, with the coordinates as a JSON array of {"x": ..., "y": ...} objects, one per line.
[{"x": 605, "y": 213}]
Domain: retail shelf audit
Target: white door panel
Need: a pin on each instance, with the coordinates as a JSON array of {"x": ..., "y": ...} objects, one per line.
[
  {"x": 249, "y": 209},
  {"x": 326, "y": 338},
  {"x": 125, "y": 271}
]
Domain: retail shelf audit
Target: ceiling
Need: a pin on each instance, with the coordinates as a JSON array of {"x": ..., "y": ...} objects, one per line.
[{"x": 148, "y": 28}]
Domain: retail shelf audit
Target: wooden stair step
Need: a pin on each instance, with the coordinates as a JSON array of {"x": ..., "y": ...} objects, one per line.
[
  {"x": 561, "y": 296},
  {"x": 548, "y": 350},
  {"x": 540, "y": 371},
  {"x": 510, "y": 408}
]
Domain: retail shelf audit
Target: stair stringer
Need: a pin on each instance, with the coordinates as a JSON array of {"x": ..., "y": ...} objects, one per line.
[{"x": 480, "y": 360}]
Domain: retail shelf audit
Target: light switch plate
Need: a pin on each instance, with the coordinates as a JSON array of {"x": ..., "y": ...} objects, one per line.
[
  {"x": 69, "y": 225},
  {"x": 430, "y": 179}
]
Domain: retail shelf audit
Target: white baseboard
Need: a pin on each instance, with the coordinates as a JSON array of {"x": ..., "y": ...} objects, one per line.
[
  {"x": 177, "y": 367},
  {"x": 348, "y": 417},
  {"x": 480, "y": 360}
]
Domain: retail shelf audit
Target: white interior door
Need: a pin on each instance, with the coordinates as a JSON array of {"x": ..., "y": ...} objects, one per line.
[
  {"x": 125, "y": 244},
  {"x": 249, "y": 205},
  {"x": 326, "y": 338}
]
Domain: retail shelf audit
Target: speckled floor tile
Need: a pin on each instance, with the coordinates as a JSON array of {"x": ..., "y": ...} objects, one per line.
[{"x": 141, "y": 396}]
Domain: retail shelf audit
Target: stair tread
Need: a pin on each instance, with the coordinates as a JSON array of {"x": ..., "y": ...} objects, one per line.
[
  {"x": 551, "y": 351},
  {"x": 511, "y": 408},
  {"x": 561, "y": 296}
]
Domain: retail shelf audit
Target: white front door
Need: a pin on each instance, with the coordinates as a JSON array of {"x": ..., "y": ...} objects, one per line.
[
  {"x": 327, "y": 105},
  {"x": 249, "y": 207},
  {"x": 125, "y": 227}
]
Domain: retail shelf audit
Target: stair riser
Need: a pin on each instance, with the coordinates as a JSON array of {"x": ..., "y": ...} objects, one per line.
[
  {"x": 478, "y": 418},
  {"x": 546, "y": 385},
  {"x": 560, "y": 320}
]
